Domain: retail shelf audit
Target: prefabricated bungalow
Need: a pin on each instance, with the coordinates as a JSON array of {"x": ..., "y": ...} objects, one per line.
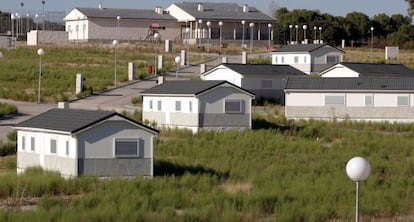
[
  {"x": 82, "y": 142},
  {"x": 352, "y": 69},
  {"x": 362, "y": 99},
  {"x": 197, "y": 105}
]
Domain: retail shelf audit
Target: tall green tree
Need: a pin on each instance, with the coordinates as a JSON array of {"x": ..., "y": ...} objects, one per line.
[{"x": 410, "y": 7}]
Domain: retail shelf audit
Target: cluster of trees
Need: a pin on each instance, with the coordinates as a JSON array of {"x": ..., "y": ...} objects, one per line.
[{"x": 355, "y": 28}]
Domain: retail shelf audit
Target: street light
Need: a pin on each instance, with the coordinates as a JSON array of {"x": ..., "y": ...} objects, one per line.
[
  {"x": 37, "y": 22},
  {"x": 304, "y": 32},
  {"x": 187, "y": 54},
  {"x": 296, "y": 27},
  {"x": 243, "y": 22},
  {"x": 314, "y": 33},
  {"x": 208, "y": 39},
  {"x": 358, "y": 169},
  {"x": 115, "y": 43},
  {"x": 43, "y": 3},
  {"x": 200, "y": 22},
  {"x": 1, "y": 55},
  {"x": 251, "y": 36},
  {"x": 372, "y": 40},
  {"x": 156, "y": 38},
  {"x": 290, "y": 34},
  {"x": 40, "y": 52},
  {"x": 320, "y": 35},
  {"x": 270, "y": 27},
  {"x": 177, "y": 61},
  {"x": 117, "y": 29},
  {"x": 221, "y": 33}
]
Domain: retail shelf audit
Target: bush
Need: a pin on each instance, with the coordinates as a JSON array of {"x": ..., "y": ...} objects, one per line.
[{"x": 7, "y": 109}]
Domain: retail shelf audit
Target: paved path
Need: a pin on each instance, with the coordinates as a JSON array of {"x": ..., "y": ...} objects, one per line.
[{"x": 117, "y": 99}]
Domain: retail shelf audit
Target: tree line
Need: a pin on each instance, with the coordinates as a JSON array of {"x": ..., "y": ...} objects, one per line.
[{"x": 356, "y": 28}]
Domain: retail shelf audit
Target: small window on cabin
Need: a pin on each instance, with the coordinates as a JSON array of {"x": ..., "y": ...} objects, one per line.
[
  {"x": 129, "y": 147},
  {"x": 53, "y": 146},
  {"x": 334, "y": 100},
  {"x": 403, "y": 101},
  {"x": 282, "y": 58},
  {"x": 304, "y": 59},
  {"x": 190, "y": 106},
  {"x": 32, "y": 144},
  {"x": 23, "y": 142},
  {"x": 150, "y": 104},
  {"x": 177, "y": 106},
  {"x": 159, "y": 105},
  {"x": 67, "y": 148},
  {"x": 369, "y": 100},
  {"x": 266, "y": 84},
  {"x": 296, "y": 59},
  {"x": 275, "y": 59},
  {"x": 330, "y": 59},
  {"x": 232, "y": 106}
]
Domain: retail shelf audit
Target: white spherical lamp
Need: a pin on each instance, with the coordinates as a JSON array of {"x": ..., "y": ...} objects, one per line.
[
  {"x": 40, "y": 52},
  {"x": 358, "y": 169}
]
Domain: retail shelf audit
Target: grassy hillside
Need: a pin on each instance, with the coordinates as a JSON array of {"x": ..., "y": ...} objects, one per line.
[{"x": 281, "y": 171}]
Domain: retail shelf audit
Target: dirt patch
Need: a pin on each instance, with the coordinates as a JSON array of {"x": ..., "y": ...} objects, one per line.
[{"x": 234, "y": 188}]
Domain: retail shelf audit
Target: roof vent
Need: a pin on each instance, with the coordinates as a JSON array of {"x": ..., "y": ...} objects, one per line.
[
  {"x": 200, "y": 7},
  {"x": 159, "y": 10},
  {"x": 245, "y": 8}
]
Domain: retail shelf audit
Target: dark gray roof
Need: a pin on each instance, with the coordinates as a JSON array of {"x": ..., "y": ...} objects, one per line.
[
  {"x": 304, "y": 48},
  {"x": 224, "y": 11},
  {"x": 383, "y": 70},
  {"x": 319, "y": 83},
  {"x": 71, "y": 120},
  {"x": 124, "y": 13},
  {"x": 265, "y": 69},
  {"x": 186, "y": 87}
]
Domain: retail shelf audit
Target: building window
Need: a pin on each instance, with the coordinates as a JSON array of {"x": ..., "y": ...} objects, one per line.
[
  {"x": 129, "y": 148},
  {"x": 275, "y": 59},
  {"x": 190, "y": 106},
  {"x": 330, "y": 59},
  {"x": 159, "y": 105},
  {"x": 232, "y": 106},
  {"x": 403, "y": 101},
  {"x": 369, "y": 100},
  {"x": 23, "y": 142},
  {"x": 67, "y": 148},
  {"x": 304, "y": 59},
  {"x": 52, "y": 146},
  {"x": 177, "y": 105},
  {"x": 266, "y": 84},
  {"x": 32, "y": 143},
  {"x": 334, "y": 100},
  {"x": 296, "y": 59},
  {"x": 150, "y": 104},
  {"x": 282, "y": 60}
]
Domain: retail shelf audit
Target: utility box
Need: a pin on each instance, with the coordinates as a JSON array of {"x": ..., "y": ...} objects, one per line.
[
  {"x": 160, "y": 64},
  {"x": 202, "y": 68},
  {"x": 392, "y": 52},
  {"x": 131, "y": 71},
  {"x": 183, "y": 58},
  {"x": 224, "y": 60},
  {"x": 80, "y": 83},
  {"x": 244, "y": 57},
  {"x": 168, "y": 46}
]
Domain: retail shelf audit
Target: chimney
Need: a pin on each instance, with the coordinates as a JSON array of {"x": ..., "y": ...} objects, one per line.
[
  {"x": 200, "y": 7},
  {"x": 159, "y": 10},
  {"x": 245, "y": 8}
]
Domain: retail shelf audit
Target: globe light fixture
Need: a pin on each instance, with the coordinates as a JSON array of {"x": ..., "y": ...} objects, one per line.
[
  {"x": 40, "y": 52},
  {"x": 177, "y": 61}
]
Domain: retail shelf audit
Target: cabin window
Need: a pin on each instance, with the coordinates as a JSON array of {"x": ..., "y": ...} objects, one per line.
[
  {"x": 403, "y": 101},
  {"x": 296, "y": 59},
  {"x": 150, "y": 104},
  {"x": 369, "y": 100},
  {"x": 330, "y": 59},
  {"x": 159, "y": 105},
  {"x": 266, "y": 84},
  {"x": 53, "y": 146},
  {"x": 275, "y": 59},
  {"x": 32, "y": 143},
  {"x": 232, "y": 106},
  {"x": 282, "y": 58},
  {"x": 67, "y": 148},
  {"x": 129, "y": 148},
  {"x": 334, "y": 100},
  {"x": 304, "y": 59},
  {"x": 23, "y": 142},
  {"x": 190, "y": 106},
  {"x": 177, "y": 106}
]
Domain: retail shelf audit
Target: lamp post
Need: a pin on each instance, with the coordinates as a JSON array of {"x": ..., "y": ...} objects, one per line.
[
  {"x": 372, "y": 40},
  {"x": 296, "y": 27},
  {"x": 187, "y": 54},
  {"x": 115, "y": 43},
  {"x": 1, "y": 55},
  {"x": 270, "y": 28},
  {"x": 251, "y": 36},
  {"x": 43, "y": 15},
  {"x": 314, "y": 33},
  {"x": 37, "y": 22},
  {"x": 304, "y": 32},
  {"x": 200, "y": 23},
  {"x": 221, "y": 33},
  {"x": 177, "y": 61},
  {"x": 320, "y": 35},
  {"x": 118, "y": 18},
  {"x": 156, "y": 38},
  {"x": 12, "y": 27},
  {"x": 290, "y": 34},
  {"x": 208, "y": 39},
  {"x": 358, "y": 169},
  {"x": 40, "y": 52},
  {"x": 243, "y": 22},
  {"x": 17, "y": 25}
]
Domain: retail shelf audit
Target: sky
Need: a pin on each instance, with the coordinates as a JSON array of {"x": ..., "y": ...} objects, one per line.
[{"x": 334, "y": 7}]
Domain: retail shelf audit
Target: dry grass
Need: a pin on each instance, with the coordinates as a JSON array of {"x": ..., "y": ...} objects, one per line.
[{"x": 364, "y": 55}]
